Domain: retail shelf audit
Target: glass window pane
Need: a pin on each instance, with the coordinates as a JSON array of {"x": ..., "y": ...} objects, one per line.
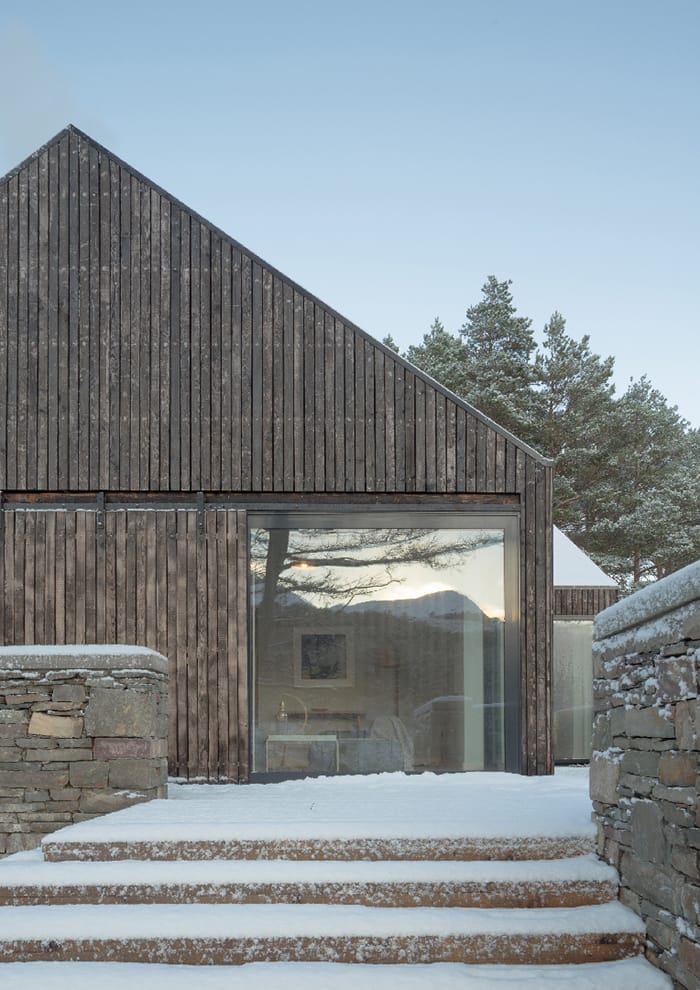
[
  {"x": 573, "y": 688},
  {"x": 377, "y": 649}
]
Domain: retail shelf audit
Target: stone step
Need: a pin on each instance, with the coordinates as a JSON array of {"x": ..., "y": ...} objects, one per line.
[
  {"x": 61, "y": 846},
  {"x": 206, "y": 934},
  {"x": 625, "y": 974},
  {"x": 27, "y": 879}
]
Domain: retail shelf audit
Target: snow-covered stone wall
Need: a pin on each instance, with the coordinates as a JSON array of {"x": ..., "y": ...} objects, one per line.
[
  {"x": 83, "y": 731},
  {"x": 645, "y": 767}
]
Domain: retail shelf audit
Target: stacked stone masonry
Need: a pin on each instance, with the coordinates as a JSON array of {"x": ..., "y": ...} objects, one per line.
[
  {"x": 645, "y": 769},
  {"x": 83, "y": 731}
]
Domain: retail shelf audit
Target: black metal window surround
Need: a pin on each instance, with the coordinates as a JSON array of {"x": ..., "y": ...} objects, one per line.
[{"x": 383, "y": 639}]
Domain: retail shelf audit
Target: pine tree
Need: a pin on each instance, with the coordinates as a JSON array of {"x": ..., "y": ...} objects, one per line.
[
  {"x": 500, "y": 371},
  {"x": 575, "y": 398},
  {"x": 443, "y": 356},
  {"x": 648, "y": 518}
]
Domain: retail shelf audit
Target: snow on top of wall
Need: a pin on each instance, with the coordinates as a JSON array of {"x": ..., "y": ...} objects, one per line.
[
  {"x": 573, "y": 568},
  {"x": 82, "y": 657},
  {"x": 653, "y": 602}
]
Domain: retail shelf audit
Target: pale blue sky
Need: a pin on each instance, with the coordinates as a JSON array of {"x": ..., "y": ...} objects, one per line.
[{"x": 389, "y": 156}]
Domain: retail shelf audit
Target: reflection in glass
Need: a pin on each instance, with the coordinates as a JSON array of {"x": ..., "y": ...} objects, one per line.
[
  {"x": 383, "y": 649},
  {"x": 573, "y": 688}
]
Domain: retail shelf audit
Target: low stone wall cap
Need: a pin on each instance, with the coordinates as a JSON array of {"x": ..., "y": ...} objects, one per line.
[
  {"x": 111, "y": 656},
  {"x": 672, "y": 592}
]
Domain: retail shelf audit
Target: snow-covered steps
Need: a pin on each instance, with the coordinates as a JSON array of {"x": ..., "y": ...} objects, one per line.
[
  {"x": 380, "y": 817},
  {"x": 63, "y": 846},
  {"x": 206, "y": 934},
  {"x": 27, "y": 879},
  {"x": 626, "y": 974}
]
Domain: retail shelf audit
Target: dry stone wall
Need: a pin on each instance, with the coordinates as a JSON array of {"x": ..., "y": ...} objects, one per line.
[
  {"x": 83, "y": 731},
  {"x": 646, "y": 762}
]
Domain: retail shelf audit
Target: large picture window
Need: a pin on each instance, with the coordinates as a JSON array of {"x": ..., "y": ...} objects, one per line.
[{"x": 383, "y": 641}]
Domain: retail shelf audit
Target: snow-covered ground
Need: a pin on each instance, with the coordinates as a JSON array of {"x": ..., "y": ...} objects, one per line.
[
  {"x": 628, "y": 974},
  {"x": 479, "y": 805}
]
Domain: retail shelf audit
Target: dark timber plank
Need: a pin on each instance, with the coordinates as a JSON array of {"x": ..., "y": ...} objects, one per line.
[
  {"x": 350, "y": 423},
  {"x": 309, "y": 384},
  {"x": 222, "y": 659},
  {"x": 242, "y": 646},
  {"x": 246, "y": 391},
  {"x": 202, "y": 648},
  {"x": 43, "y": 306},
  {"x": 420, "y": 435},
  {"x": 461, "y": 452},
  {"x": 370, "y": 438},
  {"x": 400, "y": 428},
  {"x": 186, "y": 697},
  {"x": 431, "y": 441},
  {"x": 232, "y": 660},
  {"x": 329, "y": 400},
  {"x": 389, "y": 425},
  {"x": 205, "y": 435},
  {"x": 175, "y": 349},
  {"x": 62, "y": 536},
  {"x": 319, "y": 397},
  {"x": 146, "y": 440},
  {"x": 409, "y": 394},
  {"x": 450, "y": 446},
  {"x": 278, "y": 384},
  {"x": 82, "y": 354},
  {"x": 90, "y": 578},
  {"x": 288, "y": 432},
  {"x": 105, "y": 324},
  {"x": 379, "y": 421},
  {"x": 195, "y": 481},
  {"x": 256, "y": 386},
  {"x": 12, "y": 330},
  {"x": 115, "y": 369},
  {"x": 185, "y": 371},
  {"x": 298, "y": 419},
  {"x": 360, "y": 483},
  {"x": 339, "y": 410},
  {"x": 216, "y": 370},
  {"x": 125, "y": 369},
  {"x": 93, "y": 320},
  {"x": 159, "y": 359},
  {"x": 227, "y": 384},
  {"x": 4, "y": 327},
  {"x": 166, "y": 324},
  {"x": 22, "y": 335},
  {"x": 211, "y": 618},
  {"x": 236, "y": 372},
  {"x": 267, "y": 384},
  {"x": 440, "y": 443},
  {"x": 110, "y": 524},
  {"x": 32, "y": 325},
  {"x": 134, "y": 423},
  {"x": 29, "y": 632}
]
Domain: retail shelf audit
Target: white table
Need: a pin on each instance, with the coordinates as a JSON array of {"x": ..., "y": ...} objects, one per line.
[{"x": 296, "y": 739}]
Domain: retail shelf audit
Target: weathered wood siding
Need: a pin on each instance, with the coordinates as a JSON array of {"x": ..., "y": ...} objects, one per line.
[
  {"x": 583, "y": 601},
  {"x": 170, "y": 580},
  {"x": 142, "y": 350}
]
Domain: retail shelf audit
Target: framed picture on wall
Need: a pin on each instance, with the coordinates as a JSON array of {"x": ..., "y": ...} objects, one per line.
[{"x": 324, "y": 658}]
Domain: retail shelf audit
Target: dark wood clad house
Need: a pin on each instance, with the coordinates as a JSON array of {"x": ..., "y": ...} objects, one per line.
[{"x": 349, "y": 568}]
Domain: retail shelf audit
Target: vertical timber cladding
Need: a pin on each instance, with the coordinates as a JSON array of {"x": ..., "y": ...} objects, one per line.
[
  {"x": 144, "y": 351},
  {"x": 170, "y": 580}
]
